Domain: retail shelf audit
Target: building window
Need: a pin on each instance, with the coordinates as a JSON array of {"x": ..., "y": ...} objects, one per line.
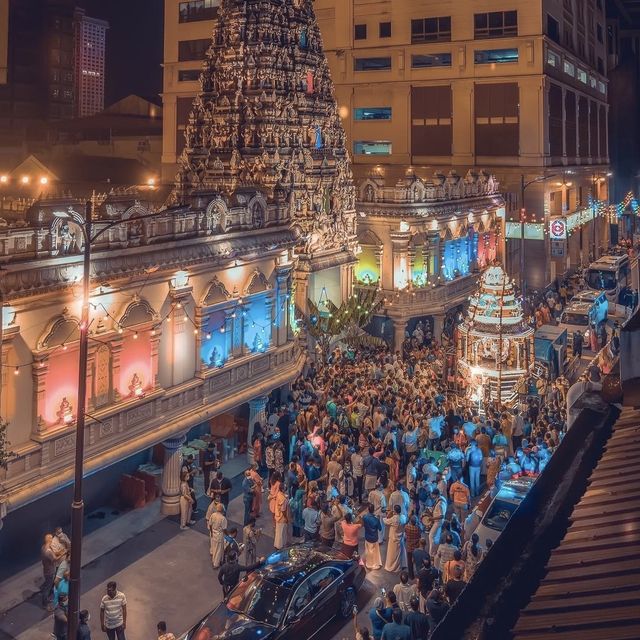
[
  {"x": 360, "y": 32},
  {"x": 431, "y": 121},
  {"x": 196, "y": 10},
  {"x": 497, "y": 24},
  {"x": 431, "y": 60},
  {"x": 372, "y": 148},
  {"x": 553, "y": 59},
  {"x": 569, "y": 68},
  {"x": 582, "y": 76},
  {"x": 385, "y": 29},
  {"x": 599, "y": 32},
  {"x": 601, "y": 88},
  {"x": 431, "y": 29},
  {"x": 497, "y": 126},
  {"x": 193, "y": 49},
  {"x": 592, "y": 82},
  {"x": 491, "y": 56},
  {"x": 553, "y": 28},
  {"x": 188, "y": 75},
  {"x": 372, "y": 113},
  {"x": 600, "y": 66},
  {"x": 372, "y": 64}
]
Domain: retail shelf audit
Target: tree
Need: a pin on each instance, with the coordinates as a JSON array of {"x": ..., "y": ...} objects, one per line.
[{"x": 331, "y": 324}]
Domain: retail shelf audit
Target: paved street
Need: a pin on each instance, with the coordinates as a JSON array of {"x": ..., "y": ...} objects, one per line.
[{"x": 160, "y": 569}]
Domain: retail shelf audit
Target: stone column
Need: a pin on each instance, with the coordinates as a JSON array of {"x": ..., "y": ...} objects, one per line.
[
  {"x": 399, "y": 328},
  {"x": 379, "y": 255},
  {"x": 282, "y": 305},
  {"x": 257, "y": 413},
  {"x": 39, "y": 370},
  {"x": 170, "y": 501},
  {"x": 116, "y": 350}
]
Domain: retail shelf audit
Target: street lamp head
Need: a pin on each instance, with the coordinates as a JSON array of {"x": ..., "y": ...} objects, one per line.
[
  {"x": 4, "y": 179},
  {"x": 44, "y": 180},
  {"x": 25, "y": 180}
]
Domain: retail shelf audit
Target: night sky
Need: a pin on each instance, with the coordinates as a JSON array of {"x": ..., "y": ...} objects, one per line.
[{"x": 134, "y": 45}]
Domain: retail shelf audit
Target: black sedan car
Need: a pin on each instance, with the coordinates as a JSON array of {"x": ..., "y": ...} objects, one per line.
[{"x": 293, "y": 595}]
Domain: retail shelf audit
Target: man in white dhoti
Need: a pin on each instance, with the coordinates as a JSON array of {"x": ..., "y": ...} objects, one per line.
[
  {"x": 396, "y": 549},
  {"x": 371, "y": 523},
  {"x": 379, "y": 502},
  {"x": 217, "y": 527},
  {"x": 438, "y": 513}
]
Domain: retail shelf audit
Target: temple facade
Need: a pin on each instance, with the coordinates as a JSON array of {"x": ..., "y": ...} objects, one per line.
[
  {"x": 423, "y": 241},
  {"x": 192, "y": 303},
  {"x": 187, "y": 322},
  {"x": 266, "y": 123}
]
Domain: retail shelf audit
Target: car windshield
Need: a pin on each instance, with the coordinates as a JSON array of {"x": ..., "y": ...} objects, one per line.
[
  {"x": 597, "y": 279},
  {"x": 575, "y": 318},
  {"x": 259, "y": 599},
  {"x": 499, "y": 514}
]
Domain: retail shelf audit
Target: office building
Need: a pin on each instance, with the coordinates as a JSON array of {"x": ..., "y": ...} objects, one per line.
[
  {"x": 518, "y": 88},
  {"x": 89, "y": 63},
  {"x": 188, "y": 27}
]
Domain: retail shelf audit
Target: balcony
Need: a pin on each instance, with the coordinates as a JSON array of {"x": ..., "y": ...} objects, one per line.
[
  {"x": 134, "y": 425},
  {"x": 429, "y": 300}
]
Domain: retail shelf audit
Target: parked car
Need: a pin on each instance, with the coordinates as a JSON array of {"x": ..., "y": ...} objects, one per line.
[
  {"x": 507, "y": 500},
  {"x": 295, "y": 594}
]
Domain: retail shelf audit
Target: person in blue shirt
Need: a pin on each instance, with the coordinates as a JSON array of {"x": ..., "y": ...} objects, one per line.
[
  {"x": 395, "y": 630},
  {"x": 380, "y": 616},
  {"x": 372, "y": 529}
]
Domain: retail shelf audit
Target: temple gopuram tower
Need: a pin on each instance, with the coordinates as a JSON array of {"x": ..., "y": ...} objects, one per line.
[{"x": 264, "y": 136}]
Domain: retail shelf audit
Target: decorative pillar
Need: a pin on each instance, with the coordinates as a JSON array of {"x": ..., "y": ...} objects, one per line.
[
  {"x": 379, "y": 252},
  {"x": 282, "y": 305},
  {"x": 91, "y": 366},
  {"x": 116, "y": 350},
  {"x": 155, "y": 347},
  {"x": 233, "y": 342},
  {"x": 399, "y": 328},
  {"x": 271, "y": 329},
  {"x": 411, "y": 258},
  {"x": 170, "y": 501},
  {"x": 400, "y": 243},
  {"x": 39, "y": 370},
  {"x": 257, "y": 413},
  {"x": 440, "y": 270}
]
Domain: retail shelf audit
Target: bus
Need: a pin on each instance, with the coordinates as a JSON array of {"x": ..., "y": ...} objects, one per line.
[{"x": 613, "y": 274}]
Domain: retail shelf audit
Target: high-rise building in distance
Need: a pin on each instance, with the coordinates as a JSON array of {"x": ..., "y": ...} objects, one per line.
[{"x": 89, "y": 63}]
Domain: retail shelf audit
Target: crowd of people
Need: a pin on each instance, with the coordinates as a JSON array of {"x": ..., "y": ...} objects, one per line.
[{"x": 371, "y": 447}]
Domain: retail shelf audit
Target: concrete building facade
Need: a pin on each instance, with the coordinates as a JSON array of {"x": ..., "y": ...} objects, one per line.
[
  {"x": 188, "y": 28},
  {"x": 516, "y": 87}
]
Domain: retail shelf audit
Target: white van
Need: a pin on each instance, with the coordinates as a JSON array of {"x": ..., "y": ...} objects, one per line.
[
  {"x": 599, "y": 311},
  {"x": 507, "y": 500}
]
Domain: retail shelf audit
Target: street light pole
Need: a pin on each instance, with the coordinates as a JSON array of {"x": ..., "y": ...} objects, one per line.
[
  {"x": 593, "y": 221},
  {"x": 523, "y": 284},
  {"x": 77, "y": 506}
]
